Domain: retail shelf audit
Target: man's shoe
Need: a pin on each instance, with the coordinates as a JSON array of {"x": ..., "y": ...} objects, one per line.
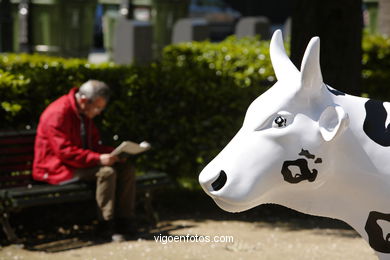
[
  {"x": 106, "y": 230},
  {"x": 125, "y": 226}
]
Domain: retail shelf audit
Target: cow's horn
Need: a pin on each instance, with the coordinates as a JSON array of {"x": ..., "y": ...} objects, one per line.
[
  {"x": 311, "y": 75},
  {"x": 283, "y": 67}
]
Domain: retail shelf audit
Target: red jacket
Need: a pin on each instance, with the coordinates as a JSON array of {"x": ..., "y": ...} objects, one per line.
[{"x": 58, "y": 146}]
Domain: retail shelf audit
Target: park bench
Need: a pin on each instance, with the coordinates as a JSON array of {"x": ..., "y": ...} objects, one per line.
[{"x": 18, "y": 190}]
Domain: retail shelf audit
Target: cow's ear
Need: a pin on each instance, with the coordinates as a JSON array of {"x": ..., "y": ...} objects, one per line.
[
  {"x": 311, "y": 76},
  {"x": 333, "y": 121},
  {"x": 283, "y": 67}
]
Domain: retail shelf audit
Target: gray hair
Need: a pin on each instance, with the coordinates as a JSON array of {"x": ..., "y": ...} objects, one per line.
[{"x": 93, "y": 89}]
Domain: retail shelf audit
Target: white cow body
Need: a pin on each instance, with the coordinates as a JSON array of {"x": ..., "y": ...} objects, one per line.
[{"x": 343, "y": 174}]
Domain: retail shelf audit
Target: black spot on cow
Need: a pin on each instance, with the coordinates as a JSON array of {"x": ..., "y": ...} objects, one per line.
[
  {"x": 374, "y": 123},
  {"x": 375, "y": 232},
  {"x": 335, "y": 91},
  {"x": 303, "y": 174},
  {"x": 307, "y": 154},
  {"x": 318, "y": 160}
]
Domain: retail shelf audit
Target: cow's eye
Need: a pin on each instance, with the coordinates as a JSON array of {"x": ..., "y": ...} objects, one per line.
[{"x": 279, "y": 122}]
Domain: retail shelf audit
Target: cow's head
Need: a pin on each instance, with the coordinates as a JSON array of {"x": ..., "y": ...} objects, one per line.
[{"x": 281, "y": 148}]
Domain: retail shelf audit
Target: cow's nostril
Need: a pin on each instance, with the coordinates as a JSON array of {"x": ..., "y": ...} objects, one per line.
[{"x": 220, "y": 182}]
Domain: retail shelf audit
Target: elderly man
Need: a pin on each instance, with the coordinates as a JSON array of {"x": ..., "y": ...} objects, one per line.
[{"x": 68, "y": 148}]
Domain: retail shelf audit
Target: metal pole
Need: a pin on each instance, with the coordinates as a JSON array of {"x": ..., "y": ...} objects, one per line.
[{"x": 23, "y": 16}]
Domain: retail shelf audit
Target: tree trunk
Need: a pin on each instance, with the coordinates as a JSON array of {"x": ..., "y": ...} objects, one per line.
[
  {"x": 339, "y": 25},
  {"x": 384, "y": 17}
]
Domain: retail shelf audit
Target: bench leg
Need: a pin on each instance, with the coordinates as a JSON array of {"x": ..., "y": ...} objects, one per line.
[
  {"x": 152, "y": 215},
  {"x": 8, "y": 230}
]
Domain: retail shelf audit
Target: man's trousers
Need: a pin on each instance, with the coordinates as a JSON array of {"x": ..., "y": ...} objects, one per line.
[{"x": 115, "y": 189}]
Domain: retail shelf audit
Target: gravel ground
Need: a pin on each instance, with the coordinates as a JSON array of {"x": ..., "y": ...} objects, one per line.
[
  {"x": 251, "y": 240},
  {"x": 267, "y": 232}
]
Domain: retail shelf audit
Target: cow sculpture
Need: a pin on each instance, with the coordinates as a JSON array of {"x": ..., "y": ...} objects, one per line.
[{"x": 311, "y": 148}]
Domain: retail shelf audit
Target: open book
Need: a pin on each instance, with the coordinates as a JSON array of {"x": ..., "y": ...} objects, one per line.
[{"x": 131, "y": 148}]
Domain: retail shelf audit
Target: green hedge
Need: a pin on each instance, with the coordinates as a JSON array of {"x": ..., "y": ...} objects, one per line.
[
  {"x": 376, "y": 67},
  {"x": 188, "y": 106},
  {"x": 208, "y": 88},
  {"x": 30, "y": 82}
]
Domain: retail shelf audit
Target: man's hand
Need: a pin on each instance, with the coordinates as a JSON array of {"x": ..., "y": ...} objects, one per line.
[{"x": 107, "y": 159}]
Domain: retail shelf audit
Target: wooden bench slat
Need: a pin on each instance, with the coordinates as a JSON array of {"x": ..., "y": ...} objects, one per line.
[
  {"x": 20, "y": 177},
  {"x": 47, "y": 200},
  {"x": 8, "y": 182},
  {"x": 17, "y": 140},
  {"x": 39, "y": 189},
  {"x": 9, "y": 134},
  {"x": 14, "y": 168},
  {"x": 16, "y": 150},
  {"x": 14, "y": 184},
  {"x": 16, "y": 159}
]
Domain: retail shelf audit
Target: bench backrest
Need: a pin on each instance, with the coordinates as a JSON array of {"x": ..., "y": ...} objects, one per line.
[{"x": 16, "y": 158}]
